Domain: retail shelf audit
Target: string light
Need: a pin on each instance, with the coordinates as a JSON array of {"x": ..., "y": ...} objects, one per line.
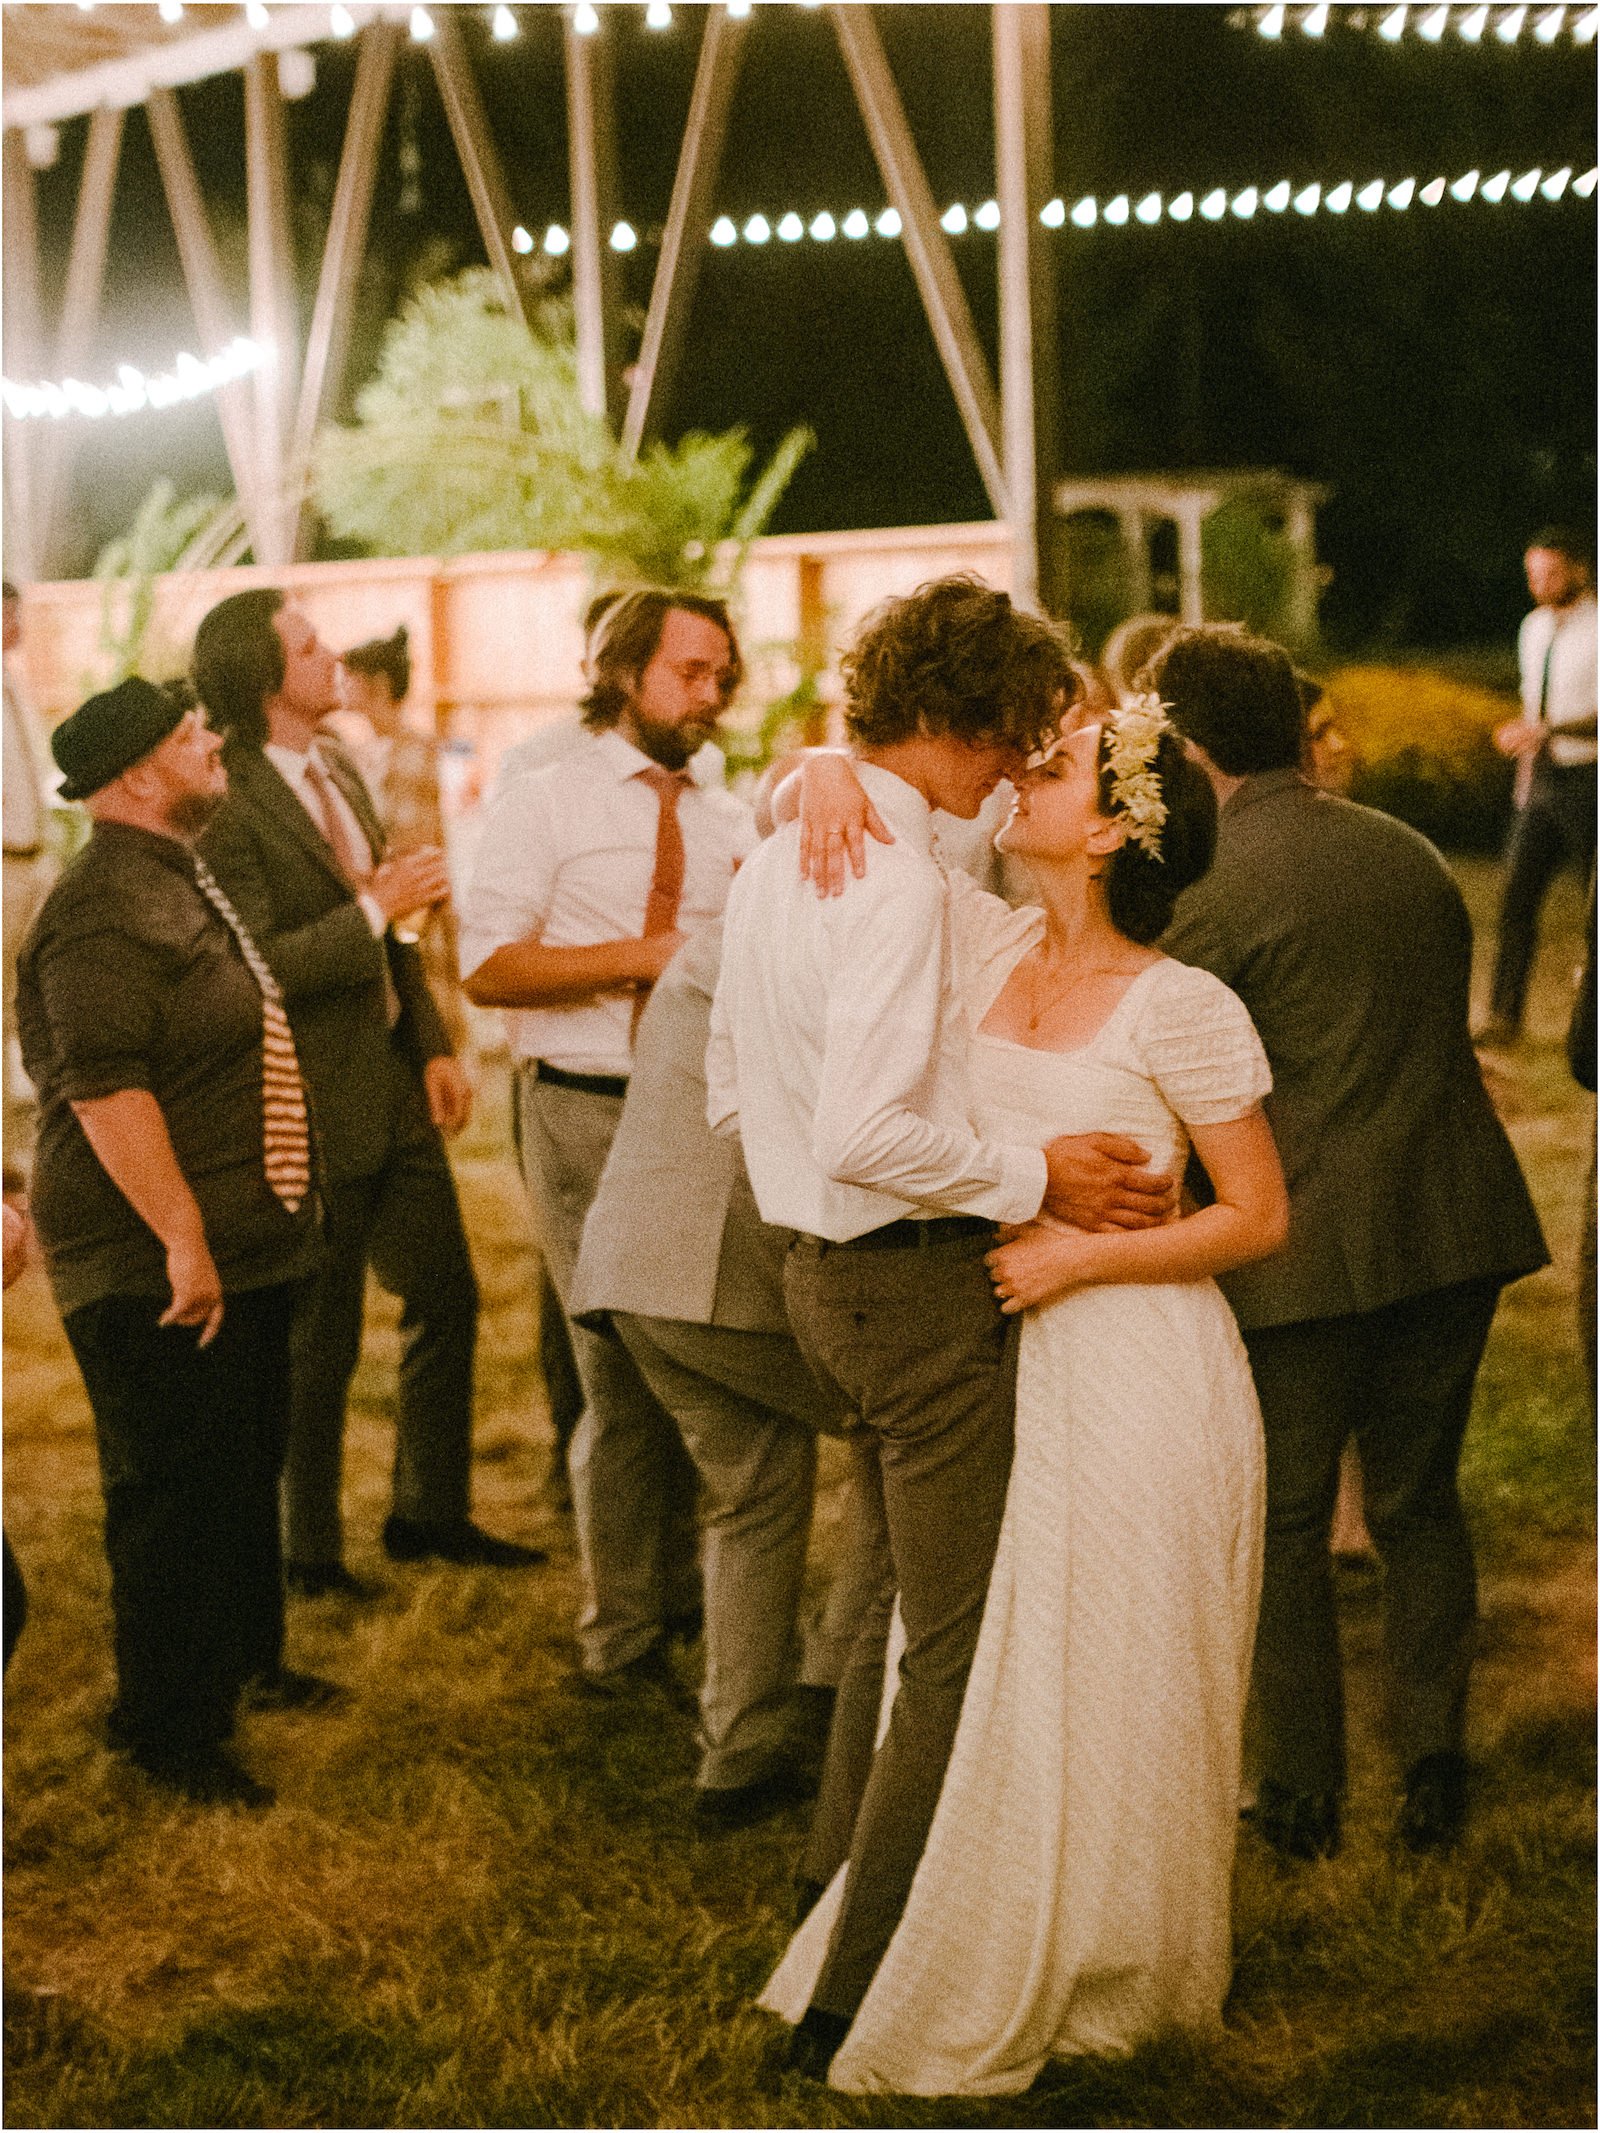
[
  {"x": 1434, "y": 24},
  {"x": 1548, "y": 27},
  {"x": 1509, "y": 28},
  {"x": 723, "y": 232},
  {"x": 1432, "y": 18},
  {"x": 658, "y": 15},
  {"x": 987, "y": 217},
  {"x": 1244, "y": 204},
  {"x": 504, "y": 25},
  {"x": 585, "y": 21},
  {"x": 1317, "y": 20},
  {"x": 954, "y": 220},
  {"x": 421, "y": 25},
  {"x": 1556, "y": 184},
  {"x": 1370, "y": 197},
  {"x": 1271, "y": 23},
  {"x": 624, "y": 237},
  {"x": 738, "y": 9},
  {"x": 1118, "y": 210},
  {"x": 1085, "y": 215},
  {"x": 1276, "y": 199},
  {"x": 1308, "y": 201},
  {"x": 556, "y": 241},
  {"x": 1464, "y": 187},
  {"x": 1584, "y": 28},
  {"x": 340, "y": 20},
  {"x": 132, "y": 392},
  {"x": 1584, "y": 186},
  {"x": 1473, "y": 24},
  {"x": 855, "y": 224},
  {"x": 1053, "y": 214},
  {"x": 256, "y": 15},
  {"x": 757, "y": 230},
  {"x": 824, "y": 229},
  {"x": 1432, "y": 193},
  {"x": 1400, "y": 196},
  {"x": 1495, "y": 188},
  {"x": 1393, "y": 25},
  {"x": 1147, "y": 211},
  {"x": 888, "y": 223},
  {"x": 1215, "y": 205},
  {"x": 1339, "y": 199},
  {"x": 171, "y": 10},
  {"x": 1182, "y": 208},
  {"x": 521, "y": 239},
  {"x": 791, "y": 229}
]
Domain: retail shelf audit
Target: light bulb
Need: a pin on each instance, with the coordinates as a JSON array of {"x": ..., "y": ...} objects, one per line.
[
  {"x": 171, "y": 10},
  {"x": 1053, "y": 213},
  {"x": 1215, "y": 205},
  {"x": 1117, "y": 210},
  {"x": 1277, "y": 199},
  {"x": 1432, "y": 193},
  {"x": 1584, "y": 186},
  {"x": 791, "y": 229},
  {"x": 658, "y": 15},
  {"x": 723, "y": 232},
  {"x": 823, "y": 228},
  {"x": 1393, "y": 25},
  {"x": 521, "y": 240},
  {"x": 624, "y": 237},
  {"x": 504, "y": 25},
  {"x": 585, "y": 21},
  {"x": 256, "y": 15},
  {"x": 1527, "y": 185},
  {"x": 1244, "y": 204},
  {"x": 855, "y": 224},
  {"x": 888, "y": 223},
  {"x": 1465, "y": 187},
  {"x": 1307, "y": 202},
  {"x": 1509, "y": 28},
  {"x": 1434, "y": 24},
  {"x": 421, "y": 25},
  {"x": 1556, "y": 184},
  {"x": 340, "y": 20},
  {"x": 1316, "y": 19},
  {"x": 987, "y": 217},
  {"x": 1339, "y": 199},
  {"x": 1370, "y": 197},
  {"x": 954, "y": 220},
  {"x": 1473, "y": 25},
  {"x": 738, "y": 9},
  {"x": 1085, "y": 215},
  {"x": 1181, "y": 209},
  {"x": 1495, "y": 188},
  {"x": 1584, "y": 28},
  {"x": 1548, "y": 27},
  {"x": 1149, "y": 209},
  {"x": 556, "y": 241},
  {"x": 1401, "y": 195},
  {"x": 757, "y": 230},
  {"x": 1271, "y": 23}
]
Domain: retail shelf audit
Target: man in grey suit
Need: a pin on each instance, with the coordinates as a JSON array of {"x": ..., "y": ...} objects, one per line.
[
  {"x": 299, "y": 849},
  {"x": 675, "y": 1254},
  {"x": 1346, "y": 937}
]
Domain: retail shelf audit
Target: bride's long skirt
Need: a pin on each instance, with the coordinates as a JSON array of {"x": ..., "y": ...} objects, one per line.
[{"x": 1075, "y": 1892}]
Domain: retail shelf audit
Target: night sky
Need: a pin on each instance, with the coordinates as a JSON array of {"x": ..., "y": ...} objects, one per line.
[{"x": 1434, "y": 367}]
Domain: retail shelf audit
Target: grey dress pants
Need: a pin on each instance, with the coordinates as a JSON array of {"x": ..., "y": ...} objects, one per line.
[
  {"x": 633, "y": 1486},
  {"x": 917, "y": 1348}
]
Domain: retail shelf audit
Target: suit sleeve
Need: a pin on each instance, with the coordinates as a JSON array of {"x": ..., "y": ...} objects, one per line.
[
  {"x": 420, "y": 1010},
  {"x": 330, "y": 953}
]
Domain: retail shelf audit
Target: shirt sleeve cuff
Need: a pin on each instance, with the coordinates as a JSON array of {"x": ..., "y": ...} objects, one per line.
[
  {"x": 372, "y": 911},
  {"x": 1024, "y": 1175}
]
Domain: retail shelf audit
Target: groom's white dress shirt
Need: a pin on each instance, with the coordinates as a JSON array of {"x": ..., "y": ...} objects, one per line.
[{"x": 839, "y": 1042}]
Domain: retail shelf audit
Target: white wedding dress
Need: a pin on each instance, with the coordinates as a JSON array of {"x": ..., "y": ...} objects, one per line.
[{"x": 1074, "y": 1895}]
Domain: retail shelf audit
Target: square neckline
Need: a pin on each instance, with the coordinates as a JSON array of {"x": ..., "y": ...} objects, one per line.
[{"x": 1050, "y": 1051}]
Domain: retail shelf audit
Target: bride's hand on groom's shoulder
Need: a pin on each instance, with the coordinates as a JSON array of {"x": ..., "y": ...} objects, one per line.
[
  {"x": 1040, "y": 1261},
  {"x": 836, "y": 819}
]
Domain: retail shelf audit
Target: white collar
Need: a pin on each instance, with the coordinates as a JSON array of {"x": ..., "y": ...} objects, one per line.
[{"x": 901, "y": 805}]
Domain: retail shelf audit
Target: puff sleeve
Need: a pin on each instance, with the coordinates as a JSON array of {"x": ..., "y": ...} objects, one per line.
[{"x": 1201, "y": 1049}]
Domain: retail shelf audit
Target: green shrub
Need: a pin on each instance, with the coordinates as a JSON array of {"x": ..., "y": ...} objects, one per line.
[{"x": 1422, "y": 749}]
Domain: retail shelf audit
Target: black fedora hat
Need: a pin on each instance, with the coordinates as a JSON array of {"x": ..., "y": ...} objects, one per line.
[{"x": 110, "y": 732}]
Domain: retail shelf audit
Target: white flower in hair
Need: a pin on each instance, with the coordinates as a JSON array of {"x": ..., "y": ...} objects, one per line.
[{"x": 1133, "y": 736}]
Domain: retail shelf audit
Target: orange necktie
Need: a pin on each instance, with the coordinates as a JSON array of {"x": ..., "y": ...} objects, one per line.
[{"x": 666, "y": 878}]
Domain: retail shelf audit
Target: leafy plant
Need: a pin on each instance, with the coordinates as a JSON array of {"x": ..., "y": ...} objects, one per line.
[
  {"x": 165, "y": 529},
  {"x": 1423, "y": 750},
  {"x": 471, "y": 435}
]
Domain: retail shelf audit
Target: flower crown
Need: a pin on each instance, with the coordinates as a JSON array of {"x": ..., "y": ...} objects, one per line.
[{"x": 1133, "y": 732}]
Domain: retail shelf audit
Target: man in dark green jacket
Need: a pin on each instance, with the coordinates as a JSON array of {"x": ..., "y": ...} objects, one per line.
[
  {"x": 300, "y": 851},
  {"x": 1346, "y": 937}
]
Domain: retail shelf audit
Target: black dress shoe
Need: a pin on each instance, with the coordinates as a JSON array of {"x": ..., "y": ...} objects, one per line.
[
  {"x": 290, "y": 1690},
  {"x": 1298, "y": 1825},
  {"x": 407, "y": 1541},
  {"x": 316, "y": 1581},
  {"x": 1435, "y": 1804},
  {"x": 208, "y": 1776},
  {"x": 648, "y": 1678},
  {"x": 729, "y": 1807},
  {"x": 815, "y": 2041}
]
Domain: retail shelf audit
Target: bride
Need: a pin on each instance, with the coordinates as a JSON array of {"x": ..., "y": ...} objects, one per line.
[{"x": 1074, "y": 1895}]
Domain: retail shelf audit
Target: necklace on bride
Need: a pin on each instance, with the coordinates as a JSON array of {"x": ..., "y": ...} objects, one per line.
[{"x": 1041, "y": 1002}]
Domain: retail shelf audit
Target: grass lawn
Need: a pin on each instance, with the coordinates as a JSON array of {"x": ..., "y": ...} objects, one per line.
[{"x": 480, "y": 1902}]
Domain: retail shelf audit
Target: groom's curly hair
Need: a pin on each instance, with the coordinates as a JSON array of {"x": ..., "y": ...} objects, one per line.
[{"x": 957, "y": 657}]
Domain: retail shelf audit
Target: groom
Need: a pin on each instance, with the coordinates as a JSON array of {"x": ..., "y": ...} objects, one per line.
[{"x": 839, "y": 1047}]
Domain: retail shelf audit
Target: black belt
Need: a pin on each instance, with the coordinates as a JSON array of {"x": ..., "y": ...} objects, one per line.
[
  {"x": 911, "y": 1234},
  {"x": 589, "y": 1084}
]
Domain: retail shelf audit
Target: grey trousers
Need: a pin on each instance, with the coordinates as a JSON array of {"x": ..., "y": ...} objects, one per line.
[
  {"x": 749, "y": 1410},
  {"x": 1400, "y": 1381},
  {"x": 633, "y": 1485},
  {"x": 917, "y": 1347}
]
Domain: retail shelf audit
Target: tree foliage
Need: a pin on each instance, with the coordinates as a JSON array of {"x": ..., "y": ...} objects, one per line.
[{"x": 471, "y": 435}]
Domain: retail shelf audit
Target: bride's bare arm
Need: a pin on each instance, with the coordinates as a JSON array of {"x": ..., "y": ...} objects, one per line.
[{"x": 1249, "y": 1220}]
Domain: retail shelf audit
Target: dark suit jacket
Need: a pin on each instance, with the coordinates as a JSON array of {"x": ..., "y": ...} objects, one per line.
[
  {"x": 1345, "y": 935},
  {"x": 264, "y": 849}
]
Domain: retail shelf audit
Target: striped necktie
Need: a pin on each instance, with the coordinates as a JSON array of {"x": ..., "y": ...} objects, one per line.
[{"x": 286, "y": 1128}]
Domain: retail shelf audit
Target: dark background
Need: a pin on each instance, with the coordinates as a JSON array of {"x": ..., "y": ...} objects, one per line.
[{"x": 1435, "y": 368}]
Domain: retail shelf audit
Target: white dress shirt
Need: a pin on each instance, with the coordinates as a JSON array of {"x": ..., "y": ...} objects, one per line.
[
  {"x": 1567, "y": 640},
  {"x": 839, "y": 1042},
  {"x": 293, "y": 765},
  {"x": 566, "y": 858}
]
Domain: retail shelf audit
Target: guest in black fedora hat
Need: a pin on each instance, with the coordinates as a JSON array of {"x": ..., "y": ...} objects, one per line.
[{"x": 176, "y": 1211}]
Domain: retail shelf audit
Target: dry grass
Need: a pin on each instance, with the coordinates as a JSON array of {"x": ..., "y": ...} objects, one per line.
[{"x": 480, "y": 1902}]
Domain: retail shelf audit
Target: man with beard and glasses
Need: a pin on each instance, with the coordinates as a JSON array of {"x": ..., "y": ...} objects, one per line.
[
  {"x": 174, "y": 1204},
  {"x": 588, "y": 876}
]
